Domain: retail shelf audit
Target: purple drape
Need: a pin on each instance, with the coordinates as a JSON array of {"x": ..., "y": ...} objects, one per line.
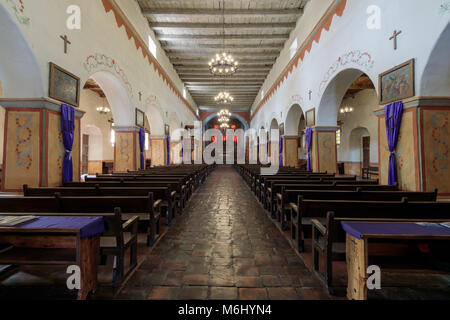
[
  {"x": 308, "y": 146},
  {"x": 281, "y": 151},
  {"x": 393, "y": 116},
  {"x": 168, "y": 151},
  {"x": 257, "y": 152},
  {"x": 142, "y": 147},
  {"x": 67, "y": 128}
]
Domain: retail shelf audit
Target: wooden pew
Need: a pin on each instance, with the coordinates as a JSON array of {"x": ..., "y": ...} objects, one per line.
[
  {"x": 318, "y": 209},
  {"x": 175, "y": 203},
  {"x": 117, "y": 238},
  {"x": 280, "y": 195},
  {"x": 142, "y": 206},
  {"x": 329, "y": 238},
  {"x": 164, "y": 199}
]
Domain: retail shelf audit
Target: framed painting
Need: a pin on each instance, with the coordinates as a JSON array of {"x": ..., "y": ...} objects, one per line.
[
  {"x": 310, "y": 118},
  {"x": 64, "y": 86},
  {"x": 140, "y": 118},
  {"x": 281, "y": 128},
  {"x": 167, "y": 130},
  {"x": 397, "y": 83}
]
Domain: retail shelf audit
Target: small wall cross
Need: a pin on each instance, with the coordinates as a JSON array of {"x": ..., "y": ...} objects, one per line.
[
  {"x": 310, "y": 92},
  {"x": 66, "y": 42},
  {"x": 394, "y": 37}
]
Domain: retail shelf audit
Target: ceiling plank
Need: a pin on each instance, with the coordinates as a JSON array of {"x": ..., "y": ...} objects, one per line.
[
  {"x": 219, "y": 12},
  {"x": 192, "y": 46},
  {"x": 196, "y": 25},
  {"x": 183, "y": 37}
]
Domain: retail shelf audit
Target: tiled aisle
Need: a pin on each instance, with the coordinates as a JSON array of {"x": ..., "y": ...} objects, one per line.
[{"x": 223, "y": 247}]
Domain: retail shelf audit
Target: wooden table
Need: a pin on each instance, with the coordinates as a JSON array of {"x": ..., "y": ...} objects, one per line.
[
  {"x": 358, "y": 234},
  {"x": 57, "y": 241}
]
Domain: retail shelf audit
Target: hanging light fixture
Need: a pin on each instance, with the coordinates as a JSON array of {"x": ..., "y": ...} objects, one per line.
[
  {"x": 224, "y": 98},
  {"x": 224, "y": 119},
  {"x": 103, "y": 109},
  {"x": 224, "y": 126},
  {"x": 346, "y": 110},
  {"x": 224, "y": 113},
  {"x": 223, "y": 64}
]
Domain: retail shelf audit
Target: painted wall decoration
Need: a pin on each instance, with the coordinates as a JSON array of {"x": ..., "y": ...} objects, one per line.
[
  {"x": 436, "y": 149},
  {"x": 363, "y": 60},
  {"x": 444, "y": 7},
  {"x": 99, "y": 61},
  {"x": 327, "y": 151},
  {"x": 19, "y": 11},
  {"x": 64, "y": 86},
  {"x": 22, "y": 150},
  {"x": 23, "y": 145},
  {"x": 122, "y": 21},
  {"x": 397, "y": 83},
  {"x": 336, "y": 9}
]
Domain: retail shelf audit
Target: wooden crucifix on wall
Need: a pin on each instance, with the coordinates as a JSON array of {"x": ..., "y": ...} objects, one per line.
[
  {"x": 394, "y": 37},
  {"x": 66, "y": 42}
]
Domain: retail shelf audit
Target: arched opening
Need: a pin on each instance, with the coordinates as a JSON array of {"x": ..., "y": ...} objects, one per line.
[
  {"x": 357, "y": 135},
  {"x": 436, "y": 75},
  {"x": 273, "y": 126},
  {"x": 296, "y": 137},
  {"x": 97, "y": 135}
]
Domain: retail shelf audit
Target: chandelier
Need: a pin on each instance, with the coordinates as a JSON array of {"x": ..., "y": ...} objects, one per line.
[
  {"x": 346, "y": 110},
  {"x": 223, "y": 64},
  {"x": 224, "y": 113},
  {"x": 103, "y": 110},
  {"x": 224, "y": 126},
  {"x": 224, "y": 119},
  {"x": 224, "y": 98}
]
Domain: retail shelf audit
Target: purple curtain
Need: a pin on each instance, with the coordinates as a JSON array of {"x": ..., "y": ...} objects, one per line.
[
  {"x": 393, "y": 116},
  {"x": 68, "y": 128},
  {"x": 257, "y": 151},
  {"x": 281, "y": 151},
  {"x": 308, "y": 146},
  {"x": 142, "y": 147},
  {"x": 168, "y": 151}
]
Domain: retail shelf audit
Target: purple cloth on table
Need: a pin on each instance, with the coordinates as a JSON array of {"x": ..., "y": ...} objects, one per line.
[
  {"x": 308, "y": 146},
  {"x": 67, "y": 128},
  {"x": 393, "y": 116},
  {"x": 358, "y": 229},
  {"x": 142, "y": 146},
  {"x": 89, "y": 226}
]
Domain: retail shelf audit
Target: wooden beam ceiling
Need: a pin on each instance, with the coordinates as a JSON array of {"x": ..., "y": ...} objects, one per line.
[{"x": 191, "y": 33}]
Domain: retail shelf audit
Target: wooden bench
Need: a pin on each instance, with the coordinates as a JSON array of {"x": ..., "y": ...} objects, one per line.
[
  {"x": 329, "y": 238},
  {"x": 368, "y": 172},
  {"x": 117, "y": 238}
]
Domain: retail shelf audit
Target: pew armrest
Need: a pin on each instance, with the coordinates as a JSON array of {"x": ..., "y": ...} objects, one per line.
[
  {"x": 157, "y": 204},
  {"x": 317, "y": 226},
  {"x": 131, "y": 224}
]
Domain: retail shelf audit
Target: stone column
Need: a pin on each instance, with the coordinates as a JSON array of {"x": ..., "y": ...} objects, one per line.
[
  {"x": 126, "y": 149},
  {"x": 34, "y": 148},
  {"x": 423, "y": 149},
  {"x": 290, "y": 151},
  {"x": 158, "y": 145},
  {"x": 324, "y": 152}
]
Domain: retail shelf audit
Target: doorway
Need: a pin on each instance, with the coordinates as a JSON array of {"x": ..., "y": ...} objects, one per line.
[{"x": 366, "y": 151}]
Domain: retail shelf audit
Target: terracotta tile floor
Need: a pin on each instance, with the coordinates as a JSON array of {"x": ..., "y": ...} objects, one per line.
[{"x": 223, "y": 247}]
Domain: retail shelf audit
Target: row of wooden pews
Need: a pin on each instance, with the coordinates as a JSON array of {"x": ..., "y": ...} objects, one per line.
[
  {"x": 311, "y": 207},
  {"x": 143, "y": 201}
]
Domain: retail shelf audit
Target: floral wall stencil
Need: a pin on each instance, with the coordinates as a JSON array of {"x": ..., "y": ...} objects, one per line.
[
  {"x": 353, "y": 58},
  {"x": 19, "y": 11},
  {"x": 445, "y": 7},
  {"x": 100, "y": 61}
]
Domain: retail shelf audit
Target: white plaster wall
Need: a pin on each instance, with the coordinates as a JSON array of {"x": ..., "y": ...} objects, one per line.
[
  {"x": 99, "y": 34},
  {"x": 350, "y": 33},
  {"x": 96, "y": 126},
  {"x": 364, "y": 103}
]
